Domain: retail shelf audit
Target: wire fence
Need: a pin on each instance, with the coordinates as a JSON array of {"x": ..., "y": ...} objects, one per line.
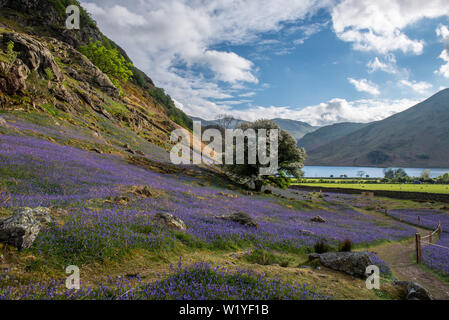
[{"x": 428, "y": 240}]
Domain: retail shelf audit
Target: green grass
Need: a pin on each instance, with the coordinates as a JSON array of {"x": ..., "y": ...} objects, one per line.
[
  {"x": 333, "y": 180},
  {"x": 265, "y": 258},
  {"x": 115, "y": 108},
  {"x": 427, "y": 188}
]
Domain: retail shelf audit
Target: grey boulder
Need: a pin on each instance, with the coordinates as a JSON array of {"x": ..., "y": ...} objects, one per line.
[
  {"x": 241, "y": 218},
  {"x": 352, "y": 263},
  {"x": 21, "y": 229},
  {"x": 415, "y": 291},
  {"x": 318, "y": 219},
  {"x": 170, "y": 221}
]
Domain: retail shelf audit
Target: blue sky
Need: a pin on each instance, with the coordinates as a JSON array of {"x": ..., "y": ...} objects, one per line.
[{"x": 319, "y": 61}]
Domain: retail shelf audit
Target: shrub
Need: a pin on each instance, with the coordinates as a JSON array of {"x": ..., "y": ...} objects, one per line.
[
  {"x": 345, "y": 246},
  {"x": 281, "y": 182},
  {"x": 110, "y": 61},
  {"x": 10, "y": 53},
  {"x": 176, "y": 115},
  {"x": 265, "y": 258},
  {"x": 321, "y": 246},
  {"x": 49, "y": 74}
]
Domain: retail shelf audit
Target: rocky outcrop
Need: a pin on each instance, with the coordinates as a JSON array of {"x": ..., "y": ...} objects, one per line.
[
  {"x": 61, "y": 93},
  {"x": 415, "y": 291},
  {"x": 241, "y": 218},
  {"x": 43, "y": 215},
  {"x": 90, "y": 73},
  {"x": 352, "y": 263},
  {"x": 170, "y": 221},
  {"x": 47, "y": 15},
  {"x": 21, "y": 229},
  {"x": 34, "y": 54},
  {"x": 3, "y": 124},
  {"x": 14, "y": 77}
]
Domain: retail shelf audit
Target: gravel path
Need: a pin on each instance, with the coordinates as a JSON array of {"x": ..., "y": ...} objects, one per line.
[{"x": 399, "y": 258}]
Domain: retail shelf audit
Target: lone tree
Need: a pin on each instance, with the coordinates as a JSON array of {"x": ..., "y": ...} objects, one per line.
[
  {"x": 227, "y": 121},
  {"x": 290, "y": 157}
]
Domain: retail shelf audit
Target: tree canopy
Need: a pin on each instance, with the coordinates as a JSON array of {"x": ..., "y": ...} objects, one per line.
[
  {"x": 110, "y": 61},
  {"x": 290, "y": 157}
]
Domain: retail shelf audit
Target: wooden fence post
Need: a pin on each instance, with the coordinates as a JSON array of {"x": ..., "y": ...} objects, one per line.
[
  {"x": 430, "y": 237},
  {"x": 419, "y": 220},
  {"x": 440, "y": 229},
  {"x": 418, "y": 248}
]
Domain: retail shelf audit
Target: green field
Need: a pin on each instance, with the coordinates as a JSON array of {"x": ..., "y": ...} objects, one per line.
[{"x": 429, "y": 188}]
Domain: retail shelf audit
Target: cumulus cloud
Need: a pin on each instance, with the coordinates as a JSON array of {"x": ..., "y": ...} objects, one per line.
[
  {"x": 179, "y": 43},
  {"x": 389, "y": 66},
  {"x": 175, "y": 41},
  {"x": 379, "y": 25},
  {"x": 229, "y": 67},
  {"x": 419, "y": 87},
  {"x": 333, "y": 111},
  {"x": 121, "y": 15},
  {"x": 443, "y": 33},
  {"x": 364, "y": 85}
]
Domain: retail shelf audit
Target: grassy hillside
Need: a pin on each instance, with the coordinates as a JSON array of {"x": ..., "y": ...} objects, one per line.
[
  {"x": 417, "y": 137},
  {"x": 87, "y": 148},
  {"x": 46, "y": 18}
]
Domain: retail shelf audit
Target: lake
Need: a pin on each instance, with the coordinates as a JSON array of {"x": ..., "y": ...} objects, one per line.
[{"x": 351, "y": 172}]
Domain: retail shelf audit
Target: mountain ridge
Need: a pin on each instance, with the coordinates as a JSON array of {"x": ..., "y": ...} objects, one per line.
[
  {"x": 296, "y": 128},
  {"x": 329, "y": 133},
  {"x": 416, "y": 137}
]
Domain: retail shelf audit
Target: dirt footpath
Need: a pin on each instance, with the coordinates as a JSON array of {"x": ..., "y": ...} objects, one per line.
[{"x": 398, "y": 257}]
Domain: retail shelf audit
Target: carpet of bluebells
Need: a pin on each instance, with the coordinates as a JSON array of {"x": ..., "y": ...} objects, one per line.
[
  {"x": 429, "y": 218},
  {"x": 436, "y": 258},
  {"x": 42, "y": 173},
  {"x": 200, "y": 281},
  {"x": 383, "y": 266}
]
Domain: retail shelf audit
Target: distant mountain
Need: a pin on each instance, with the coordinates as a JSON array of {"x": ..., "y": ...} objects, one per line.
[
  {"x": 417, "y": 137},
  {"x": 204, "y": 122},
  {"x": 296, "y": 128},
  {"x": 324, "y": 135}
]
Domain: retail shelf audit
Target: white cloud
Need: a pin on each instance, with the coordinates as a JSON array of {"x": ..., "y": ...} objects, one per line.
[
  {"x": 420, "y": 87},
  {"x": 175, "y": 41},
  {"x": 388, "y": 66},
  {"x": 443, "y": 34},
  {"x": 120, "y": 14},
  {"x": 379, "y": 25},
  {"x": 248, "y": 94},
  {"x": 364, "y": 85},
  {"x": 333, "y": 111},
  {"x": 308, "y": 31},
  {"x": 229, "y": 67}
]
